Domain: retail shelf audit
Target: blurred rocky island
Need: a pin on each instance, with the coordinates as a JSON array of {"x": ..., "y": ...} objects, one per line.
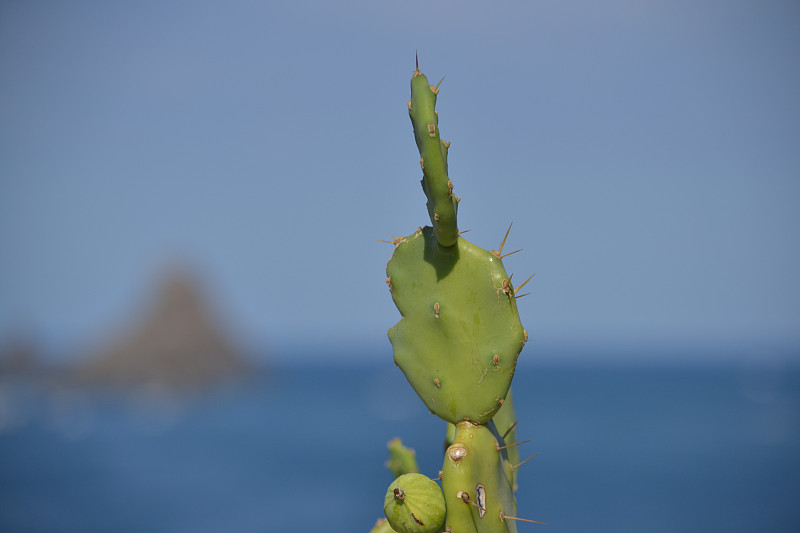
[
  {"x": 178, "y": 343},
  {"x": 19, "y": 357}
]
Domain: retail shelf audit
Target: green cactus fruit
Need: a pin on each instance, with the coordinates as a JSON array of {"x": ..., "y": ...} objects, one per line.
[
  {"x": 414, "y": 504},
  {"x": 477, "y": 483},
  {"x": 460, "y": 334},
  {"x": 402, "y": 460},
  {"x": 442, "y": 203}
]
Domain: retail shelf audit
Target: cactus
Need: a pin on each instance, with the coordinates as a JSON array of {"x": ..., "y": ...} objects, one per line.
[{"x": 457, "y": 344}]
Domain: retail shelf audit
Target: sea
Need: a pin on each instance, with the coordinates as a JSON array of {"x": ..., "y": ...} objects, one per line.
[{"x": 618, "y": 448}]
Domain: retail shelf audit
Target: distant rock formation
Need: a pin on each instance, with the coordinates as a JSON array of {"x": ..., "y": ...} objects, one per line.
[
  {"x": 177, "y": 345},
  {"x": 19, "y": 357}
]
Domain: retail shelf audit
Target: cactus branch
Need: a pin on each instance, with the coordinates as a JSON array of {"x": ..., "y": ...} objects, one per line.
[{"x": 442, "y": 204}]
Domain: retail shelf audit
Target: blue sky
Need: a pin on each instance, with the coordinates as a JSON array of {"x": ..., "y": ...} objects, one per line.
[{"x": 647, "y": 152}]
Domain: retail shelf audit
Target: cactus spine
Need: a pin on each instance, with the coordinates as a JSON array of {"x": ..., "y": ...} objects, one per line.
[{"x": 457, "y": 342}]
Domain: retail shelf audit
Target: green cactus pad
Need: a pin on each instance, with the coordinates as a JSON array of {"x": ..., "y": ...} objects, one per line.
[
  {"x": 442, "y": 203},
  {"x": 476, "y": 482},
  {"x": 460, "y": 334}
]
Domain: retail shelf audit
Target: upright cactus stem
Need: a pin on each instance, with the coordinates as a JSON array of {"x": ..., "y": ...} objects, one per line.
[
  {"x": 478, "y": 482},
  {"x": 457, "y": 344},
  {"x": 442, "y": 203}
]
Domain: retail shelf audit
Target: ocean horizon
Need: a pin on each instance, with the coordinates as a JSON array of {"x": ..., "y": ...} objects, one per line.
[{"x": 302, "y": 446}]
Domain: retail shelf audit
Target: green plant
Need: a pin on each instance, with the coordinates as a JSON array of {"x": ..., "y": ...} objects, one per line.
[{"x": 457, "y": 342}]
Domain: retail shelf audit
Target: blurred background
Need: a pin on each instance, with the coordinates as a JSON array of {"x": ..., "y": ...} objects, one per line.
[{"x": 193, "y": 312}]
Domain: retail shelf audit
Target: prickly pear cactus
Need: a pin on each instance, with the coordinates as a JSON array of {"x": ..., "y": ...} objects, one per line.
[{"x": 457, "y": 344}]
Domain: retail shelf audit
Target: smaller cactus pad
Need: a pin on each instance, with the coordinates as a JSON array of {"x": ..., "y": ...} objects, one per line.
[{"x": 402, "y": 459}]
